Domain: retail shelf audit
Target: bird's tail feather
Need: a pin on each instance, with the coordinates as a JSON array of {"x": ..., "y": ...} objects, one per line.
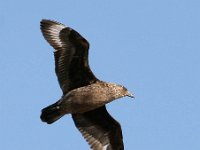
[{"x": 51, "y": 113}]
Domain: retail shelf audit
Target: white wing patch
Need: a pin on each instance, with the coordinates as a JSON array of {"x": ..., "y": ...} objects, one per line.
[
  {"x": 51, "y": 31},
  {"x": 105, "y": 147},
  {"x": 95, "y": 144}
]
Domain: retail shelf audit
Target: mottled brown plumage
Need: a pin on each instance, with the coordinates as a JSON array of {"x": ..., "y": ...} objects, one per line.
[{"x": 84, "y": 96}]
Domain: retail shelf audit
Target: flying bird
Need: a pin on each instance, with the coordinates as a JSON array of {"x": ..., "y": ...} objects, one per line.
[{"x": 84, "y": 96}]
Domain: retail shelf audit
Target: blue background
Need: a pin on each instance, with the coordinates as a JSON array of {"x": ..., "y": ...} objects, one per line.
[{"x": 150, "y": 46}]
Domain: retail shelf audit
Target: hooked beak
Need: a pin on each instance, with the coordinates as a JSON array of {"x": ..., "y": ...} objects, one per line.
[{"x": 130, "y": 95}]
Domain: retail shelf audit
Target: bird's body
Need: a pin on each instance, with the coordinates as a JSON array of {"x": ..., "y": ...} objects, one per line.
[
  {"x": 84, "y": 96},
  {"x": 81, "y": 100}
]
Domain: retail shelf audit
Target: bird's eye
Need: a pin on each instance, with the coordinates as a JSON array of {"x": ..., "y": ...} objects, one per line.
[{"x": 124, "y": 88}]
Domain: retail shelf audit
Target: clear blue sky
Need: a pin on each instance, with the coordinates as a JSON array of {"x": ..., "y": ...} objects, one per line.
[{"x": 150, "y": 46}]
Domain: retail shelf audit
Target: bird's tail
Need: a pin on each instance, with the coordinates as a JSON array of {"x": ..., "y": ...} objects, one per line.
[{"x": 51, "y": 113}]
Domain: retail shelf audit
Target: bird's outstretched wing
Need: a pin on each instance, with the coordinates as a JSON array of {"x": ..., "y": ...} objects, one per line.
[
  {"x": 99, "y": 129},
  {"x": 71, "y": 55}
]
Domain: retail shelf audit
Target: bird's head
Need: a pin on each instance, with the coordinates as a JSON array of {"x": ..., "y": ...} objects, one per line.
[
  {"x": 121, "y": 91},
  {"x": 125, "y": 92}
]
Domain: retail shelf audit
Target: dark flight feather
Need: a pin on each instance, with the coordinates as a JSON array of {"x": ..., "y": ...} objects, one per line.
[
  {"x": 99, "y": 129},
  {"x": 71, "y": 55}
]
